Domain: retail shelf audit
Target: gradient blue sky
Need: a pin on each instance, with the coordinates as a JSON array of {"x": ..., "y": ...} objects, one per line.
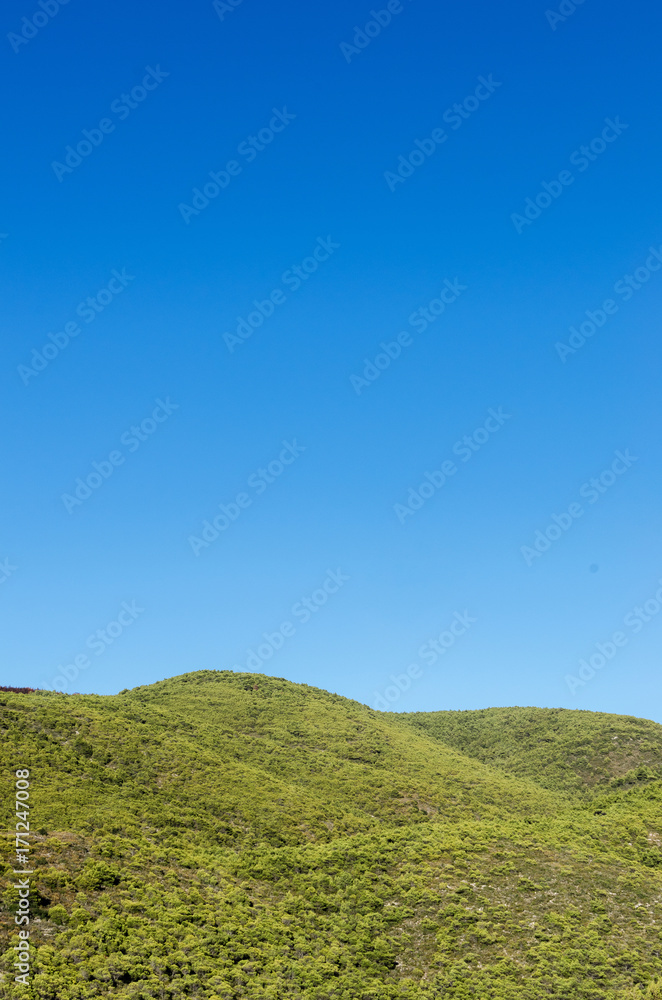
[{"x": 67, "y": 574}]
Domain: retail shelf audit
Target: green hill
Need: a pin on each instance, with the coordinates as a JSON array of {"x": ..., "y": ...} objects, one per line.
[
  {"x": 557, "y": 748},
  {"x": 224, "y": 835}
]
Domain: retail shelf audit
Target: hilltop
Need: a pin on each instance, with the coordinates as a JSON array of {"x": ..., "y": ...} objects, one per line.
[{"x": 221, "y": 835}]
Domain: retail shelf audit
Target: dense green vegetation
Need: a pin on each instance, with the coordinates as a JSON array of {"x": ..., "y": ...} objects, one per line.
[
  {"x": 225, "y": 835},
  {"x": 557, "y": 748}
]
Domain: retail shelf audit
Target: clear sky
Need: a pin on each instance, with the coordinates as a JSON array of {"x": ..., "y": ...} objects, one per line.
[{"x": 287, "y": 368}]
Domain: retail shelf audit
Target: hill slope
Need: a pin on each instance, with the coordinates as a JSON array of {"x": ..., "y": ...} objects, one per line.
[
  {"x": 557, "y": 748},
  {"x": 226, "y": 835}
]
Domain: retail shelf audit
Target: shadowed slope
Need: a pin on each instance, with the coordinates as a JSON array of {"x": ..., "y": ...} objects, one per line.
[{"x": 558, "y": 748}]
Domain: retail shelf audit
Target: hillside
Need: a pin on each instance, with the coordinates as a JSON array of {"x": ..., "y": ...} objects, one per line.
[
  {"x": 224, "y": 835},
  {"x": 557, "y": 748}
]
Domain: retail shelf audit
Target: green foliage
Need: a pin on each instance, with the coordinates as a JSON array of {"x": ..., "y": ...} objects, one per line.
[
  {"x": 222, "y": 836},
  {"x": 558, "y": 748}
]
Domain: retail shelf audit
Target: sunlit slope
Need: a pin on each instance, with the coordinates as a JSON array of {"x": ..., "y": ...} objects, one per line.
[
  {"x": 271, "y": 761},
  {"x": 561, "y": 749},
  {"x": 239, "y": 837},
  {"x": 339, "y": 765}
]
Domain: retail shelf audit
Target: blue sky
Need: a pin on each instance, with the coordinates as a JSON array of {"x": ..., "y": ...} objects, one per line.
[{"x": 333, "y": 184}]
